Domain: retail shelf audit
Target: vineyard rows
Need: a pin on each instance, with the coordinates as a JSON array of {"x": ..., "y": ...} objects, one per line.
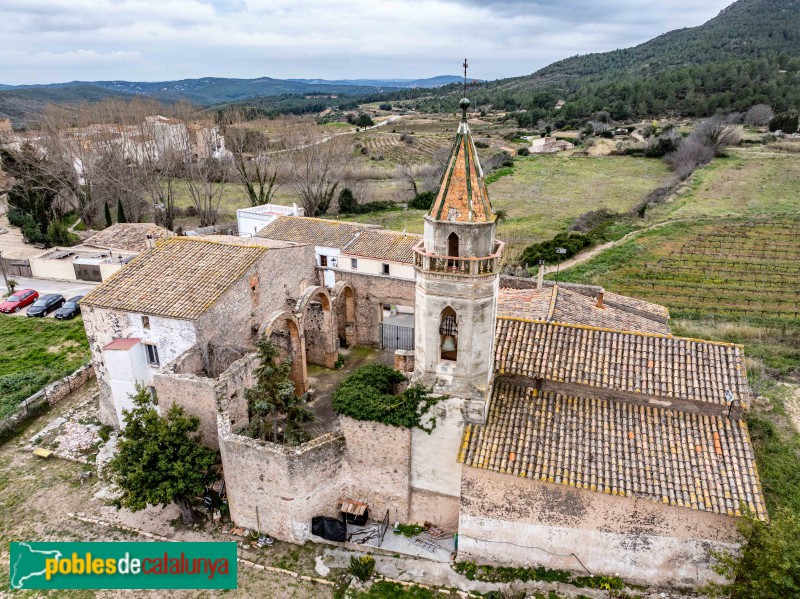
[
  {"x": 392, "y": 147},
  {"x": 748, "y": 269}
]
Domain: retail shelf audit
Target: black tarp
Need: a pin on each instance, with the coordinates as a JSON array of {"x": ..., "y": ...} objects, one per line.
[{"x": 331, "y": 529}]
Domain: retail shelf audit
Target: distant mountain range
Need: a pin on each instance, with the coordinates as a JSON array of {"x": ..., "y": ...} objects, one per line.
[
  {"x": 19, "y": 102},
  {"x": 748, "y": 54}
]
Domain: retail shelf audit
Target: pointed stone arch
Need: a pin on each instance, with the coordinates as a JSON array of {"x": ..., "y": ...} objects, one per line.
[
  {"x": 344, "y": 305},
  {"x": 286, "y": 333},
  {"x": 314, "y": 310}
]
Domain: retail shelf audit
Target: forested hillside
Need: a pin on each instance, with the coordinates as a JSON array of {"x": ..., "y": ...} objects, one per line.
[{"x": 749, "y": 53}]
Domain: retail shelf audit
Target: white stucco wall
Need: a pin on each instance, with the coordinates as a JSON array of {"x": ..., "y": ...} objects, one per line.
[
  {"x": 61, "y": 270},
  {"x": 370, "y": 266},
  {"x": 250, "y": 223}
]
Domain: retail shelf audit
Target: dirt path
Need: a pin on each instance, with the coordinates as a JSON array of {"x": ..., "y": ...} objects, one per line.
[{"x": 589, "y": 254}]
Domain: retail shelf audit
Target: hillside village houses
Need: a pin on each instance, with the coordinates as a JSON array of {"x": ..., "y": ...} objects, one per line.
[{"x": 574, "y": 431}]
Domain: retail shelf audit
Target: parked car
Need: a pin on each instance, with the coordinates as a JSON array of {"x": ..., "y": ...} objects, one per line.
[
  {"x": 46, "y": 304},
  {"x": 70, "y": 309},
  {"x": 18, "y": 300}
]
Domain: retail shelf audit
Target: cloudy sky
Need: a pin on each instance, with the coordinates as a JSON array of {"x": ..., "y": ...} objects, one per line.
[{"x": 46, "y": 41}]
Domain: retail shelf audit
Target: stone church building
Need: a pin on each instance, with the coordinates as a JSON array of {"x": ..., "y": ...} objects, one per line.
[{"x": 574, "y": 431}]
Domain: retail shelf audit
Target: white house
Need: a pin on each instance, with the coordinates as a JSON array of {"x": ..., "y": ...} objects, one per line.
[{"x": 251, "y": 220}]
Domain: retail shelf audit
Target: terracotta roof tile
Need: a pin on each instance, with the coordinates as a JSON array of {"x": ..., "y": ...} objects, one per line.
[
  {"x": 384, "y": 245},
  {"x": 130, "y": 237},
  {"x": 698, "y": 461},
  {"x": 317, "y": 231},
  {"x": 463, "y": 196},
  {"x": 577, "y": 308},
  {"x": 180, "y": 278},
  {"x": 648, "y": 364}
]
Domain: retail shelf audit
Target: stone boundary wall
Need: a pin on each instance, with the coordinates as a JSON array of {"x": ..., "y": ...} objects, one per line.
[
  {"x": 280, "y": 489},
  {"x": 40, "y": 401}
]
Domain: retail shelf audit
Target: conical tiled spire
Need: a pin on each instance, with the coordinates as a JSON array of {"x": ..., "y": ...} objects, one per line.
[{"x": 463, "y": 196}]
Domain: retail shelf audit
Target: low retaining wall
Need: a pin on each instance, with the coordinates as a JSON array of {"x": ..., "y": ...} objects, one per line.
[{"x": 40, "y": 401}]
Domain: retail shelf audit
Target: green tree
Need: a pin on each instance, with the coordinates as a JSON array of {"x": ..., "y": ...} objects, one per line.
[
  {"x": 121, "y": 213},
  {"x": 768, "y": 566},
  {"x": 109, "y": 222},
  {"x": 275, "y": 410},
  {"x": 348, "y": 203},
  {"x": 159, "y": 459}
]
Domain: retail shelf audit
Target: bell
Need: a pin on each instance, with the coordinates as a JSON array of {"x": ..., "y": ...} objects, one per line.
[{"x": 449, "y": 343}]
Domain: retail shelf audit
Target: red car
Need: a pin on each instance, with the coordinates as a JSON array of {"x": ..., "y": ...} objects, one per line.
[{"x": 18, "y": 300}]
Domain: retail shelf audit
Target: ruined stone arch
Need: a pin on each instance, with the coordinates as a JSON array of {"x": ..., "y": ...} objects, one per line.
[
  {"x": 286, "y": 333},
  {"x": 344, "y": 304},
  {"x": 314, "y": 310}
]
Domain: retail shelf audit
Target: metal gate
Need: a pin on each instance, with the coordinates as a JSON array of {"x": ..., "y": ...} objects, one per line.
[
  {"x": 396, "y": 337},
  {"x": 17, "y": 268}
]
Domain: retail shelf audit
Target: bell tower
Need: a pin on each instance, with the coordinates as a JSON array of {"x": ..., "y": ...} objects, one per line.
[{"x": 457, "y": 270}]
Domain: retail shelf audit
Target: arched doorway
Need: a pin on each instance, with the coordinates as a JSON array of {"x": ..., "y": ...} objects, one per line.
[
  {"x": 344, "y": 301},
  {"x": 448, "y": 335},
  {"x": 283, "y": 329},
  {"x": 314, "y": 311},
  {"x": 452, "y": 245}
]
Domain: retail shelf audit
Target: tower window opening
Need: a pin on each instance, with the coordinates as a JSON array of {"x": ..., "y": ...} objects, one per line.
[{"x": 448, "y": 333}]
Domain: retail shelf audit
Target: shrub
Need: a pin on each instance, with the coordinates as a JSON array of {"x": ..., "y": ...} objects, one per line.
[
  {"x": 523, "y": 152},
  {"x": 385, "y": 106},
  {"x": 546, "y": 250},
  {"x": 422, "y": 201},
  {"x": 362, "y": 567},
  {"x": 347, "y": 201},
  {"x": 660, "y": 146},
  {"x": 363, "y": 120},
  {"x": 481, "y": 144},
  {"x": 368, "y": 394},
  {"x": 786, "y": 122}
]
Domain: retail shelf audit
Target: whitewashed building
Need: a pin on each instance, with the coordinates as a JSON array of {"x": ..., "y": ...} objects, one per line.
[{"x": 251, "y": 220}]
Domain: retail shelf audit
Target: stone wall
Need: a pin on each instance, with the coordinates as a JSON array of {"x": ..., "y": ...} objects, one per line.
[
  {"x": 379, "y": 463},
  {"x": 202, "y": 396},
  {"x": 510, "y": 520},
  {"x": 289, "y": 486},
  {"x": 372, "y": 291}
]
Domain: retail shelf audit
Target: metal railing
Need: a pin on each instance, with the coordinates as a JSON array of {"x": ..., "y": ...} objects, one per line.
[{"x": 482, "y": 265}]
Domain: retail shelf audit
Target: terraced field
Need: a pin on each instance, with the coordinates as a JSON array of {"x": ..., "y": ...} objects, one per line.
[
  {"x": 744, "y": 269},
  {"x": 413, "y": 149}
]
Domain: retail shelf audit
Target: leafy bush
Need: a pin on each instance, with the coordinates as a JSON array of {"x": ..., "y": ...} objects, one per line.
[
  {"x": 523, "y": 152},
  {"x": 422, "y": 201},
  {"x": 347, "y": 201},
  {"x": 767, "y": 565},
  {"x": 786, "y": 122},
  {"x": 385, "y": 106},
  {"x": 362, "y": 567},
  {"x": 59, "y": 234},
  {"x": 481, "y": 144},
  {"x": 368, "y": 394},
  {"x": 546, "y": 250}
]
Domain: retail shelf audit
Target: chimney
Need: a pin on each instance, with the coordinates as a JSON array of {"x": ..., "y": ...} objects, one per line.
[
  {"x": 150, "y": 243},
  {"x": 540, "y": 279},
  {"x": 600, "y": 299}
]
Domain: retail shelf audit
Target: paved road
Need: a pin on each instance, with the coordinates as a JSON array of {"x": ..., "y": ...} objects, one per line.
[{"x": 66, "y": 288}]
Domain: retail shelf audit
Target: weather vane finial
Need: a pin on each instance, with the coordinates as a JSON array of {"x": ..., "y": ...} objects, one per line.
[
  {"x": 465, "y": 65},
  {"x": 464, "y": 103}
]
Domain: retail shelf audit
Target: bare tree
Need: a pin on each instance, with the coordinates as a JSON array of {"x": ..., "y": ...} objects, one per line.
[
  {"x": 318, "y": 166},
  {"x": 205, "y": 180},
  {"x": 717, "y": 133},
  {"x": 759, "y": 115},
  {"x": 257, "y": 168}
]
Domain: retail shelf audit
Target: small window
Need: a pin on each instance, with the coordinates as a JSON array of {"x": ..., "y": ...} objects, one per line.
[
  {"x": 323, "y": 261},
  {"x": 384, "y": 269},
  {"x": 146, "y": 322},
  {"x": 152, "y": 354},
  {"x": 354, "y": 263}
]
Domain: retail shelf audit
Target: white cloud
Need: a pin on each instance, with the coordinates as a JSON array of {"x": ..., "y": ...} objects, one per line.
[{"x": 171, "y": 39}]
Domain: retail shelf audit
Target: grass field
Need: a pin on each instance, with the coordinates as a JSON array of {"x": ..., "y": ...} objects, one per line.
[{"x": 35, "y": 352}]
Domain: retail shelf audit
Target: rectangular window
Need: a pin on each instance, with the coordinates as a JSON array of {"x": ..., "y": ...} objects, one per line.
[
  {"x": 152, "y": 354},
  {"x": 323, "y": 261},
  {"x": 354, "y": 263},
  {"x": 385, "y": 269},
  {"x": 146, "y": 322}
]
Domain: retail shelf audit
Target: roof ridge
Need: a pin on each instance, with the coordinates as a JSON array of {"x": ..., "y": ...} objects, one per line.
[
  {"x": 177, "y": 238},
  {"x": 625, "y": 332}
]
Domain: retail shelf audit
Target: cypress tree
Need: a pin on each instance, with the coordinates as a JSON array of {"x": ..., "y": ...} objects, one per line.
[
  {"x": 109, "y": 222},
  {"x": 121, "y": 213}
]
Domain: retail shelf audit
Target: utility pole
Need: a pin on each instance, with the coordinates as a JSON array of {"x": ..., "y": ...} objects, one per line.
[{"x": 3, "y": 268}]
